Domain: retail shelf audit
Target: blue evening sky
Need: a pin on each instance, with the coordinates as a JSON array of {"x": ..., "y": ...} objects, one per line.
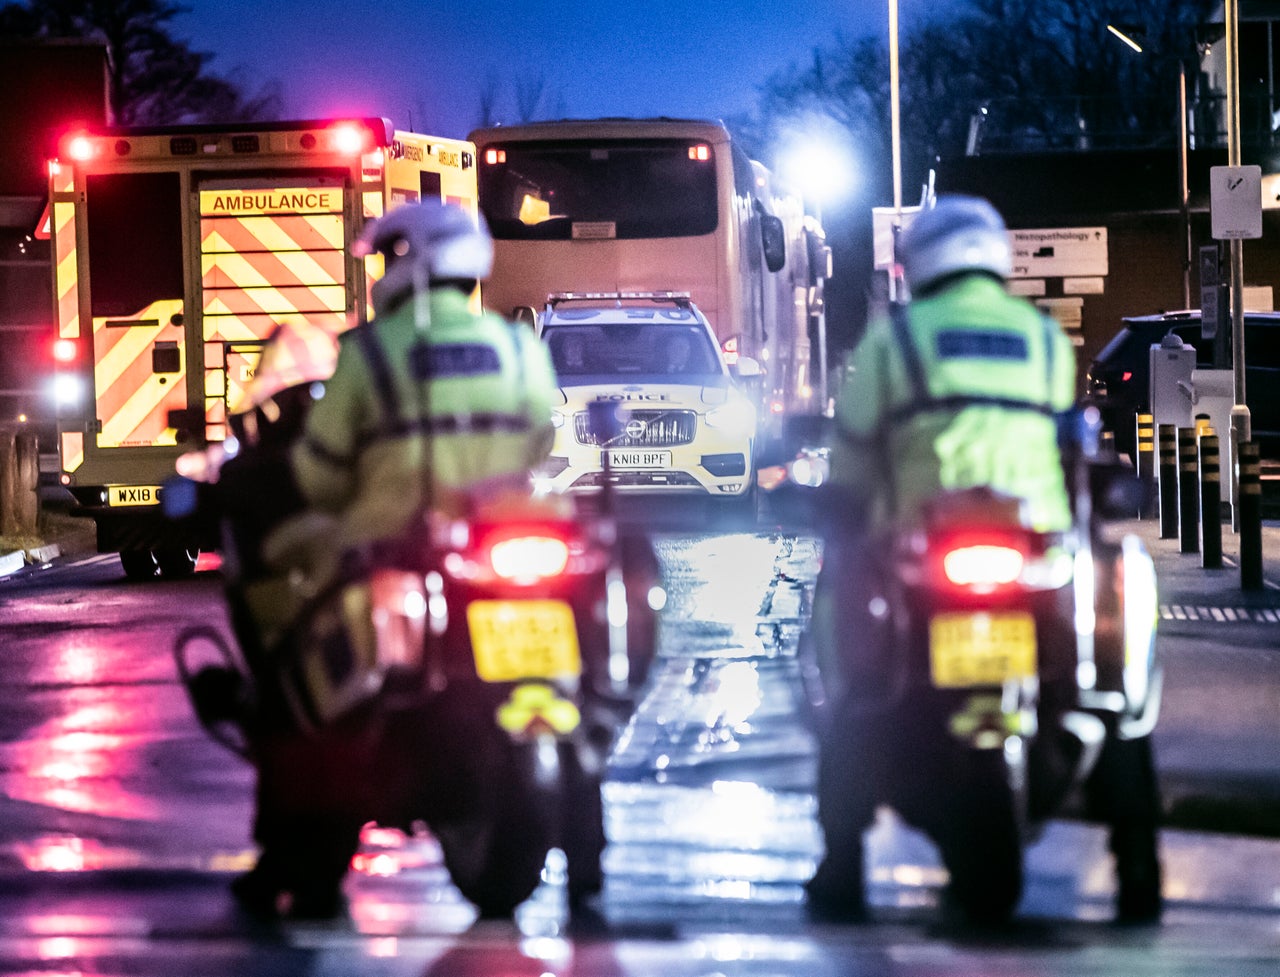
[{"x": 424, "y": 63}]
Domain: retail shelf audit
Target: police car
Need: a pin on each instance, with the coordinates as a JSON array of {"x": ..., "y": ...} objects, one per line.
[{"x": 684, "y": 426}]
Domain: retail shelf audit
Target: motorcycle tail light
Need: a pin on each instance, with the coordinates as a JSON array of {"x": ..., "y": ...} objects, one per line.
[
  {"x": 983, "y": 566},
  {"x": 529, "y": 558}
]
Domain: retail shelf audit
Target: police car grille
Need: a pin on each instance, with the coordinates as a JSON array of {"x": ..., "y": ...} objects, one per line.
[{"x": 662, "y": 428}]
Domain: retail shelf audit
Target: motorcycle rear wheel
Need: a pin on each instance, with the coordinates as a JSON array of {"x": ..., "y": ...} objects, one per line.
[
  {"x": 496, "y": 857},
  {"x": 981, "y": 844}
]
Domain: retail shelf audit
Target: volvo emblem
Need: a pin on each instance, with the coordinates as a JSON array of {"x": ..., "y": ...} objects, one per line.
[{"x": 635, "y": 428}]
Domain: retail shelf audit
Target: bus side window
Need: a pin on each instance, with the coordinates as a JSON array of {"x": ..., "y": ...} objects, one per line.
[{"x": 773, "y": 237}]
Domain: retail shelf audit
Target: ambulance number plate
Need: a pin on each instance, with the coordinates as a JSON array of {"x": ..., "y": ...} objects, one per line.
[{"x": 133, "y": 495}]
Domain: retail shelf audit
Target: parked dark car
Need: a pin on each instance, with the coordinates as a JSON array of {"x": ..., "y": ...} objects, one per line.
[{"x": 1118, "y": 381}]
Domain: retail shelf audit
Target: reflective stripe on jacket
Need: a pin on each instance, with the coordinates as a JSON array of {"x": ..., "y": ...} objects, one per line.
[
  {"x": 962, "y": 390},
  {"x": 400, "y": 417}
]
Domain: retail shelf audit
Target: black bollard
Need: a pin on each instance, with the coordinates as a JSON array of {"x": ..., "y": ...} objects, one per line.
[
  {"x": 1145, "y": 463},
  {"x": 1210, "y": 502},
  {"x": 1250, "y": 506},
  {"x": 1188, "y": 491},
  {"x": 1168, "y": 481}
]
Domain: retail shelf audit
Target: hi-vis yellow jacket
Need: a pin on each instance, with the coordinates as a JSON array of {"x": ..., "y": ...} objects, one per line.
[
  {"x": 406, "y": 423},
  {"x": 960, "y": 389}
]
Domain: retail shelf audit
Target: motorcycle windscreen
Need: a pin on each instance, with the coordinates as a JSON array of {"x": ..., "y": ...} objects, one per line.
[{"x": 975, "y": 648}]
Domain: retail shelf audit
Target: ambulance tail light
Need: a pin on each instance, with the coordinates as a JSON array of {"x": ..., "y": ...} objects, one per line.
[
  {"x": 64, "y": 351},
  {"x": 81, "y": 148}
]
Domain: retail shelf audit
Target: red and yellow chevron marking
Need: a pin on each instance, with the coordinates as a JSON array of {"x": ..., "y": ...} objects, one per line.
[
  {"x": 373, "y": 209},
  {"x": 255, "y": 269},
  {"x": 72, "y": 449},
  {"x": 265, "y": 255},
  {"x": 222, "y": 327},
  {"x": 66, "y": 277},
  {"x": 316, "y": 232},
  {"x": 134, "y": 401}
]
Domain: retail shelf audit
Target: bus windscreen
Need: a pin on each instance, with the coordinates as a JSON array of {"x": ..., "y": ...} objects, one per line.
[{"x": 625, "y": 189}]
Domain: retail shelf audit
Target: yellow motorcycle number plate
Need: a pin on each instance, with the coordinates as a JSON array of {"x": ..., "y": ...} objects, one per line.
[
  {"x": 517, "y": 639},
  {"x": 967, "y": 649}
]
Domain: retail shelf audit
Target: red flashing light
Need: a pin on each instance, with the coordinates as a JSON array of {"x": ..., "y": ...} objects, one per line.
[
  {"x": 493, "y": 156},
  {"x": 64, "y": 350},
  {"x": 700, "y": 153},
  {"x": 350, "y": 139},
  {"x": 81, "y": 148}
]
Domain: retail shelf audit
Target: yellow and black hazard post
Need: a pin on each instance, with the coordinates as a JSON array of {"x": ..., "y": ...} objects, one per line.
[
  {"x": 1210, "y": 501},
  {"x": 1145, "y": 463},
  {"x": 1188, "y": 491},
  {"x": 1168, "y": 481},
  {"x": 1249, "y": 504}
]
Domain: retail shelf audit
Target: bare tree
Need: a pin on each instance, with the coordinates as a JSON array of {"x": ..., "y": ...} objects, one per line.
[
  {"x": 1042, "y": 72},
  {"x": 488, "y": 101},
  {"x": 153, "y": 78}
]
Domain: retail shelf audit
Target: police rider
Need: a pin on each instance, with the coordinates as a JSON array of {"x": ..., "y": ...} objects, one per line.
[
  {"x": 962, "y": 387},
  {"x": 431, "y": 401}
]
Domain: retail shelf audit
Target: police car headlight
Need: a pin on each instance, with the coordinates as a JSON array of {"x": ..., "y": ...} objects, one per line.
[
  {"x": 735, "y": 416},
  {"x": 557, "y": 419}
]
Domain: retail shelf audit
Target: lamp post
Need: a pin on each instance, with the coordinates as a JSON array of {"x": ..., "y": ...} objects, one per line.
[
  {"x": 821, "y": 165},
  {"x": 1240, "y": 421},
  {"x": 1184, "y": 208},
  {"x": 895, "y": 137}
]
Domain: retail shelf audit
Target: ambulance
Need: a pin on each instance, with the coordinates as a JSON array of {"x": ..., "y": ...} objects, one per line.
[
  {"x": 684, "y": 427},
  {"x": 176, "y": 251}
]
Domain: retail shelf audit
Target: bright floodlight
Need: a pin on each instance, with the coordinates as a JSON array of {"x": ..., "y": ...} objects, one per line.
[{"x": 819, "y": 163}]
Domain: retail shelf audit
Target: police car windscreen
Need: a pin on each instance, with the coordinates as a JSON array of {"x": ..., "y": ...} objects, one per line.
[{"x": 655, "y": 351}]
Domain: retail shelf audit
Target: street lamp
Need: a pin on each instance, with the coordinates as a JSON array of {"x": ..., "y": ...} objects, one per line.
[
  {"x": 1125, "y": 37},
  {"x": 819, "y": 162},
  {"x": 1184, "y": 207}
]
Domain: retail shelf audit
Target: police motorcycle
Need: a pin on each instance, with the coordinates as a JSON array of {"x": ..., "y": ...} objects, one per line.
[
  {"x": 497, "y": 653},
  {"x": 504, "y": 653},
  {"x": 525, "y": 637},
  {"x": 1012, "y": 654}
]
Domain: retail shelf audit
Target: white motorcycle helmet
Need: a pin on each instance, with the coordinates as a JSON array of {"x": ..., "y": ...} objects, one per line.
[
  {"x": 441, "y": 239},
  {"x": 958, "y": 234}
]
